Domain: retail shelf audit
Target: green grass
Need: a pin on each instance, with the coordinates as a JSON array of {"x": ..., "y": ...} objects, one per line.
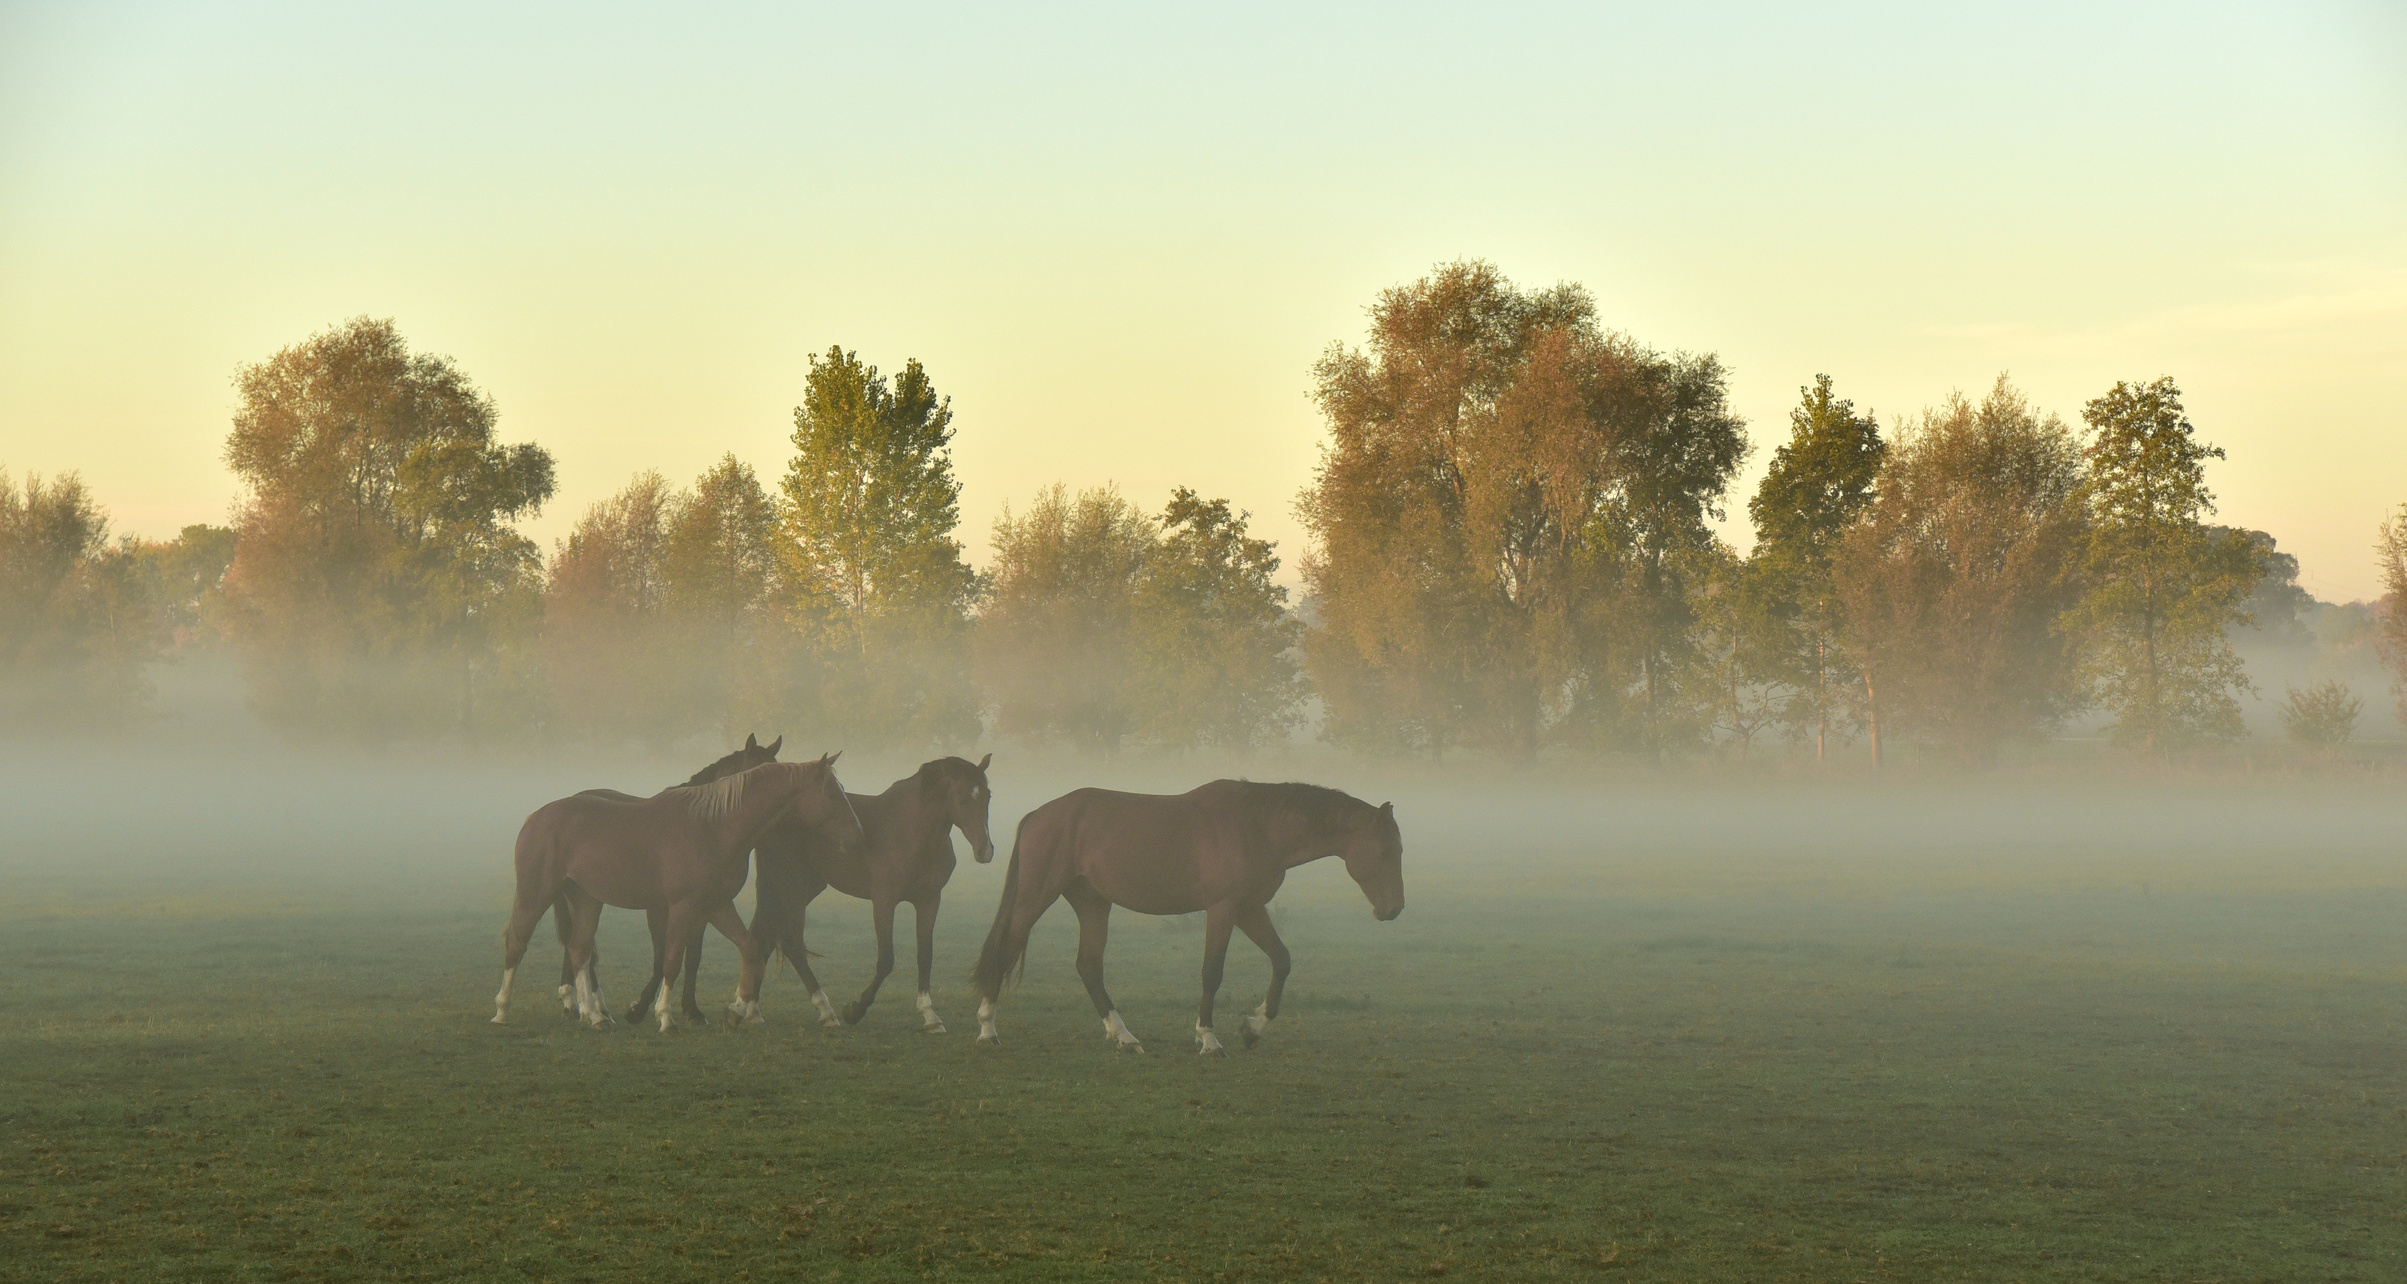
[{"x": 1656, "y": 1049}]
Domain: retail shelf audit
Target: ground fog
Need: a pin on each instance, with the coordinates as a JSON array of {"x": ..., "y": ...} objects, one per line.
[{"x": 2020, "y": 1027}]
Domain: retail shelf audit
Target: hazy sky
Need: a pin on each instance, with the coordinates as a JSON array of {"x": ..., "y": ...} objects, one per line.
[{"x": 1120, "y": 239}]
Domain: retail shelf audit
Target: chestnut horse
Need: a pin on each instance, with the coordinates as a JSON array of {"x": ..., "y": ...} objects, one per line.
[
  {"x": 688, "y": 851},
  {"x": 906, "y": 854},
  {"x": 753, "y": 754},
  {"x": 1223, "y": 848}
]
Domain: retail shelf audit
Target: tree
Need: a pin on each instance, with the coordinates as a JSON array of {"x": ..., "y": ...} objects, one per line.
[
  {"x": 1499, "y": 518},
  {"x": 1951, "y": 588},
  {"x": 2322, "y": 716},
  {"x": 609, "y": 656},
  {"x": 2390, "y": 636},
  {"x": 378, "y": 585},
  {"x": 876, "y": 587},
  {"x": 720, "y": 560},
  {"x": 75, "y": 625},
  {"x": 2278, "y": 609},
  {"x": 1817, "y": 487},
  {"x": 2162, "y": 588},
  {"x": 1215, "y": 643},
  {"x": 658, "y": 608},
  {"x": 1746, "y": 642},
  {"x": 1056, "y": 646},
  {"x": 182, "y": 577}
]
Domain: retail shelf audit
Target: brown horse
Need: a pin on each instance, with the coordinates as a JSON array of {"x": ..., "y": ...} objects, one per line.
[
  {"x": 906, "y": 854},
  {"x": 753, "y": 754},
  {"x": 688, "y": 851},
  {"x": 1223, "y": 848}
]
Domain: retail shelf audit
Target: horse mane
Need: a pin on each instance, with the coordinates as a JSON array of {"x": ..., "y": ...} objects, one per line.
[
  {"x": 707, "y": 803},
  {"x": 1320, "y": 806},
  {"x": 719, "y": 770},
  {"x": 935, "y": 768}
]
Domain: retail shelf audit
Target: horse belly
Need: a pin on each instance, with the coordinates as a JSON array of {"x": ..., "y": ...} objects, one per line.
[{"x": 1155, "y": 891}]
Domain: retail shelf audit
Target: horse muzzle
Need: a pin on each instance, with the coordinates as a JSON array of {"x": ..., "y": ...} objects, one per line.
[
  {"x": 1389, "y": 914},
  {"x": 985, "y": 853}
]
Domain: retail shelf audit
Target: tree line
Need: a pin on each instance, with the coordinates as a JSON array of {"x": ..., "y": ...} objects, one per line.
[{"x": 1512, "y": 551}]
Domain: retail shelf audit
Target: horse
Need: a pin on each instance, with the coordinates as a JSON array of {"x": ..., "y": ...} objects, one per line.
[
  {"x": 1223, "y": 848},
  {"x": 906, "y": 854},
  {"x": 753, "y": 754},
  {"x": 688, "y": 851}
]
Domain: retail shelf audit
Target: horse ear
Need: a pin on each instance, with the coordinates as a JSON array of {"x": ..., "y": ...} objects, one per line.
[
  {"x": 829, "y": 759},
  {"x": 1387, "y": 808},
  {"x": 776, "y": 745},
  {"x": 751, "y": 741},
  {"x": 985, "y": 760}
]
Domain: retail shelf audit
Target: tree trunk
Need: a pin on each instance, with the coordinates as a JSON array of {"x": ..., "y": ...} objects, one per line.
[
  {"x": 1821, "y": 702},
  {"x": 1872, "y": 717}
]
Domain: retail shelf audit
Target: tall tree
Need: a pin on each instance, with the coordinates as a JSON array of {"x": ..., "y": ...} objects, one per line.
[
  {"x": 182, "y": 577},
  {"x": 1498, "y": 518},
  {"x": 610, "y": 658},
  {"x": 1952, "y": 588},
  {"x": 2162, "y": 588},
  {"x": 719, "y": 556},
  {"x": 2390, "y": 638},
  {"x": 2279, "y": 607},
  {"x": 719, "y": 551},
  {"x": 1055, "y": 638},
  {"x": 1818, "y": 486},
  {"x": 378, "y": 583},
  {"x": 1215, "y": 643},
  {"x": 76, "y": 626},
  {"x": 875, "y": 581}
]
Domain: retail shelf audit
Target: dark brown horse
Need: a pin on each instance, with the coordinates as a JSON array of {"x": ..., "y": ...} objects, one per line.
[
  {"x": 1223, "y": 848},
  {"x": 906, "y": 855},
  {"x": 753, "y": 754},
  {"x": 688, "y": 851}
]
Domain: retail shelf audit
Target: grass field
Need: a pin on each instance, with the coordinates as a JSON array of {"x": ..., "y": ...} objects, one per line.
[{"x": 1649, "y": 1034}]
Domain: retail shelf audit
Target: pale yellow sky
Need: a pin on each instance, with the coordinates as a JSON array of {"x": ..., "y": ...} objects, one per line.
[{"x": 1120, "y": 241}]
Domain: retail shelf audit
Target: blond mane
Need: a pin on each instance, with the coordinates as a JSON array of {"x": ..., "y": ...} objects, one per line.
[{"x": 708, "y": 803}]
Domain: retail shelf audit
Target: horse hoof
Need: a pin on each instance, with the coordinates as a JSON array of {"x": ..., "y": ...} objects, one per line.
[
  {"x": 937, "y": 1028},
  {"x": 501, "y": 1020},
  {"x": 1251, "y": 1038},
  {"x": 990, "y": 1040},
  {"x": 853, "y": 1012},
  {"x": 1132, "y": 1046},
  {"x": 1217, "y": 1054}
]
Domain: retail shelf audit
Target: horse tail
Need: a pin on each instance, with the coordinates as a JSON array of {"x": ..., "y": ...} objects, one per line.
[{"x": 997, "y": 960}]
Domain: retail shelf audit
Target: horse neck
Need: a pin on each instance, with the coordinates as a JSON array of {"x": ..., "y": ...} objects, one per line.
[
  {"x": 911, "y": 803},
  {"x": 756, "y": 808},
  {"x": 1310, "y": 841}
]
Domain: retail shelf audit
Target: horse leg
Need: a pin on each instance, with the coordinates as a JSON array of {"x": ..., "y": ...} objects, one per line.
[
  {"x": 881, "y": 916},
  {"x": 568, "y": 974},
  {"x": 525, "y": 912},
  {"x": 587, "y": 914},
  {"x": 684, "y": 922},
  {"x": 747, "y": 1005},
  {"x": 1024, "y": 906},
  {"x": 1094, "y": 925},
  {"x": 1216, "y": 953},
  {"x": 1254, "y": 921},
  {"x": 693, "y": 973},
  {"x": 657, "y": 919},
  {"x": 923, "y": 914},
  {"x": 789, "y": 943}
]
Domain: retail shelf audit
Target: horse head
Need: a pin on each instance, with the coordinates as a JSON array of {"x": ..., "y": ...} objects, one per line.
[
  {"x": 820, "y": 803},
  {"x": 1374, "y": 856},
  {"x": 959, "y": 790}
]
